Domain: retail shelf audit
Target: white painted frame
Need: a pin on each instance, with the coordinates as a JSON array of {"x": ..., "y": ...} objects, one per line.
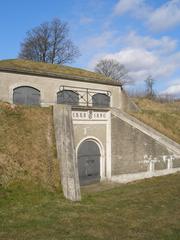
[
  {"x": 107, "y": 161},
  {"x": 102, "y": 153}
]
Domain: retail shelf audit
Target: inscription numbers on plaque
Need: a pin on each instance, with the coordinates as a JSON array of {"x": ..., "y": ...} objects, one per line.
[{"x": 89, "y": 115}]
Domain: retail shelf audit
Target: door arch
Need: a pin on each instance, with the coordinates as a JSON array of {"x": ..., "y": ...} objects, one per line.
[
  {"x": 26, "y": 95},
  {"x": 88, "y": 155}
]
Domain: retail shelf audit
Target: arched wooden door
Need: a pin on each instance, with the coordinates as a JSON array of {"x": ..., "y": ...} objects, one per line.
[
  {"x": 89, "y": 162},
  {"x": 26, "y": 95}
]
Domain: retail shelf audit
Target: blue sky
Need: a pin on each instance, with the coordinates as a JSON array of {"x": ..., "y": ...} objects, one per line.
[{"x": 141, "y": 34}]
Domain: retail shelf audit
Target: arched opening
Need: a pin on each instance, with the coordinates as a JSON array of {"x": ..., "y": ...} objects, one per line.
[
  {"x": 26, "y": 95},
  {"x": 68, "y": 97},
  {"x": 88, "y": 156},
  {"x": 100, "y": 100}
]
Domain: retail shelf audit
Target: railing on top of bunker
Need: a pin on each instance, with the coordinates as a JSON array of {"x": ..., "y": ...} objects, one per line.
[{"x": 87, "y": 97}]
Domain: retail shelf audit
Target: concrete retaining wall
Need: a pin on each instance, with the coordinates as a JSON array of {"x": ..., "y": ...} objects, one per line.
[{"x": 137, "y": 148}]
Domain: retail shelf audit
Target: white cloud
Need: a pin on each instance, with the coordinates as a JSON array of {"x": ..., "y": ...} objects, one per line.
[
  {"x": 141, "y": 55},
  {"x": 124, "y": 6},
  {"x": 161, "y": 18},
  {"x": 135, "y": 59},
  {"x": 98, "y": 42},
  {"x": 172, "y": 90},
  {"x": 86, "y": 20},
  {"x": 141, "y": 62},
  {"x": 165, "y": 17},
  {"x": 164, "y": 44},
  {"x": 135, "y": 7}
]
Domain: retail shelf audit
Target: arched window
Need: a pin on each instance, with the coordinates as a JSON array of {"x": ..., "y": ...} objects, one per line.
[
  {"x": 68, "y": 97},
  {"x": 26, "y": 95},
  {"x": 100, "y": 100}
]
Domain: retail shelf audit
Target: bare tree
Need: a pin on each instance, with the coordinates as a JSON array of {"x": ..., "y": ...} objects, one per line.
[
  {"x": 113, "y": 69},
  {"x": 49, "y": 43},
  {"x": 149, "y": 82}
]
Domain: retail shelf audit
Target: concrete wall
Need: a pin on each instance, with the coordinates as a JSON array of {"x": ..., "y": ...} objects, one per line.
[
  {"x": 97, "y": 131},
  {"x": 133, "y": 150},
  {"x": 126, "y": 103},
  {"x": 176, "y": 163},
  {"x": 49, "y": 87}
]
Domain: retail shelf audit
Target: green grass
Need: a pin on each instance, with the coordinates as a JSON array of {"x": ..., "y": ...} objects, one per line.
[
  {"x": 145, "y": 210},
  {"x": 45, "y": 68},
  {"x": 164, "y": 117}
]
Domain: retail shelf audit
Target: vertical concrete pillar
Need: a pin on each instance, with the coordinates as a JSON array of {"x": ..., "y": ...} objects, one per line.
[{"x": 64, "y": 134}]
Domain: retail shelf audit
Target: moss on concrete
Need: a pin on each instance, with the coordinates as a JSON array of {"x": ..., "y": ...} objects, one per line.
[{"x": 53, "y": 70}]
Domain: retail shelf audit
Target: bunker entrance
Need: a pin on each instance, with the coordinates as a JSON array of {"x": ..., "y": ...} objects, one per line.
[{"x": 88, "y": 162}]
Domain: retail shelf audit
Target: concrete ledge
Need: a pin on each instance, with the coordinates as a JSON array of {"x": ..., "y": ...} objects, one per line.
[{"x": 125, "y": 178}]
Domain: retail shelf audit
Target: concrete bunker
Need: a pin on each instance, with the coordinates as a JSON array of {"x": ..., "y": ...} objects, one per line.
[{"x": 93, "y": 106}]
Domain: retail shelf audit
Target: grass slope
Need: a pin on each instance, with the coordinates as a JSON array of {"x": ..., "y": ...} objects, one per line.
[
  {"x": 44, "y": 68},
  {"x": 164, "y": 117},
  {"x": 27, "y": 147},
  {"x": 145, "y": 210}
]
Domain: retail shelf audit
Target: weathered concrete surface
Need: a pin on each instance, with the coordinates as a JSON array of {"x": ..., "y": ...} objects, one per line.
[
  {"x": 137, "y": 148},
  {"x": 49, "y": 87},
  {"x": 64, "y": 134},
  {"x": 162, "y": 139},
  {"x": 127, "y": 104},
  {"x": 125, "y": 178}
]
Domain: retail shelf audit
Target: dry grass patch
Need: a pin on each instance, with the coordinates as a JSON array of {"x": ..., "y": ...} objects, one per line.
[
  {"x": 27, "y": 146},
  {"x": 164, "y": 117}
]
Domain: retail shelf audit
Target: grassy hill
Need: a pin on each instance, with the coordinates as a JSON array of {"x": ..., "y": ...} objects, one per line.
[
  {"x": 164, "y": 117},
  {"x": 27, "y": 146}
]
